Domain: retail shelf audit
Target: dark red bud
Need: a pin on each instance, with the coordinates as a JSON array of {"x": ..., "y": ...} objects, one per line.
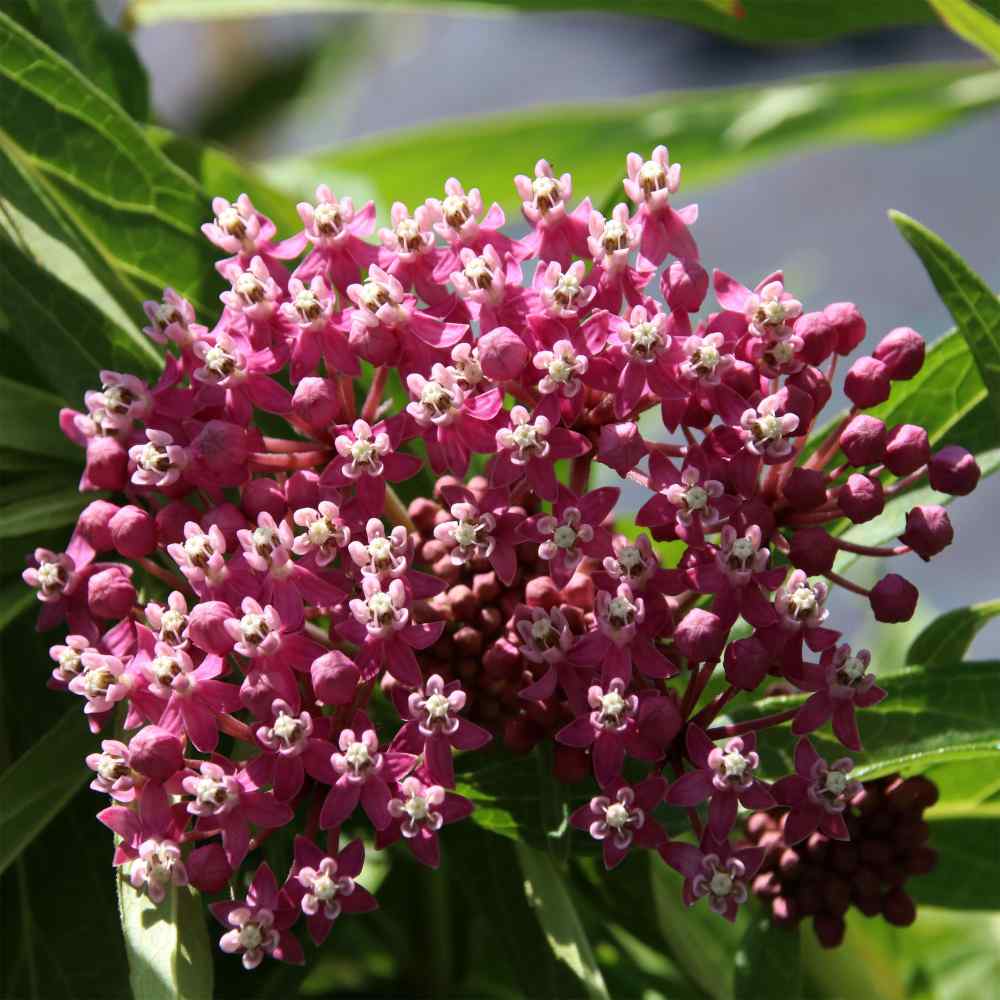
[
  {"x": 954, "y": 470},
  {"x": 906, "y": 449},
  {"x": 928, "y": 531},
  {"x": 894, "y": 599},
  {"x": 867, "y": 383},
  {"x": 860, "y": 498},
  {"x": 863, "y": 440},
  {"x": 902, "y": 352}
]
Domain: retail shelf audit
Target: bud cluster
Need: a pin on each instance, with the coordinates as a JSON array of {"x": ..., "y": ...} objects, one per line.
[
  {"x": 822, "y": 878},
  {"x": 252, "y": 610}
]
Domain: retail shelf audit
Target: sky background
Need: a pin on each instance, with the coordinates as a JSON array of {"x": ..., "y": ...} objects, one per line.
[{"x": 821, "y": 215}]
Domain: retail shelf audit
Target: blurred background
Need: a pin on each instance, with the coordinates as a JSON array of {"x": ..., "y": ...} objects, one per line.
[{"x": 274, "y": 88}]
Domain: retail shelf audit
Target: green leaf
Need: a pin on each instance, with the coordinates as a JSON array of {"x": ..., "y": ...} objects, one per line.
[
  {"x": 971, "y": 23},
  {"x": 768, "y": 954},
  {"x": 78, "y": 32},
  {"x": 75, "y": 162},
  {"x": 545, "y": 889},
  {"x": 972, "y": 303},
  {"x": 761, "y": 21},
  {"x": 25, "y": 517},
  {"x": 965, "y": 788},
  {"x": 965, "y": 875},
  {"x": 928, "y": 717},
  {"x": 169, "y": 955},
  {"x": 714, "y": 134},
  {"x": 78, "y": 339},
  {"x": 700, "y": 941},
  {"x": 947, "y": 639},
  {"x": 29, "y": 422},
  {"x": 40, "y": 782},
  {"x": 15, "y": 599}
]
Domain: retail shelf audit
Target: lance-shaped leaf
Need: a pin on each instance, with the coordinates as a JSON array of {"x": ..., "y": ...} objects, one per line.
[
  {"x": 971, "y": 22},
  {"x": 964, "y": 877},
  {"x": 169, "y": 955},
  {"x": 947, "y": 639}
]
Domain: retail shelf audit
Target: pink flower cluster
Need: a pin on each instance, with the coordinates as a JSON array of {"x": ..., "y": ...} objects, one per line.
[{"x": 268, "y": 597}]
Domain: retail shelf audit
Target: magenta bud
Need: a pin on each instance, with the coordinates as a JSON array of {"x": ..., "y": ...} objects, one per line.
[
  {"x": 229, "y": 519},
  {"x": 848, "y": 324},
  {"x": 928, "y": 531},
  {"x": 206, "y": 627},
  {"x": 743, "y": 378},
  {"x": 815, "y": 385},
  {"x": 893, "y": 599},
  {"x": 700, "y": 636},
  {"x": 902, "y": 352},
  {"x": 219, "y": 454},
  {"x": 156, "y": 753},
  {"x": 133, "y": 531},
  {"x": 621, "y": 447},
  {"x": 863, "y": 440},
  {"x": 867, "y": 383},
  {"x": 953, "y": 470},
  {"x": 746, "y": 663},
  {"x": 861, "y": 498},
  {"x": 93, "y": 524},
  {"x": 260, "y": 495},
  {"x": 107, "y": 465},
  {"x": 906, "y": 449},
  {"x": 684, "y": 285},
  {"x": 302, "y": 489},
  {"x": 818, "y": 336},
  {"x": 813, "y": 550},
  {"x": 170, "y": 521},
  {"x": 207, "y": 868},
  {"x": 335, "y": 678},
  {"x": 502, "y": 354},
  {"x": 316, "y": 401},
  {"x": 110, "y": 593},
  {"x": 805, "y": 489},
  {"x": 801, "y": 402}
]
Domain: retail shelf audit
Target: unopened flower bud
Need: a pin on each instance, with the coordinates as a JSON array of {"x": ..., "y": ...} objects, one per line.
[
  {"x": 156, "y": 753},
  {"x": 863, "y": 440},
  {"x": 928, "y": 531},
  {"x": 170, "y": 521},
  {"x": 902, "y": 352},
  {"x": 206, "y": 627},
  {"x": 229, "y": 519},
  {"x": 867, "y": 383},
  {"x": 541, "y": 592},
  {"x": 302, "y": 490},
  {"x": 110, "y": 593},
  {"x": 818, "y": 337},
  {"x": 263, "y": 495},
  {"x": 107, "y": 464},
  {"x": 207, "y": 868},
  {"x": 861, "y": 498},
  {"x": 746, "y": 663},
  {"x": 620, "y": 446},
  {"x": 502, "y": 354},
  {"x": 849, "y": 326},
  {"x": 953, "y": 470},
  {"x": 898, "y": 908},
  {"x": 815, "y": 385},
  {"x": 906, "y": 449},
  {"x": 893, "y": 599},
  {"x": 219, "y": 454},
  {"x": 94, "y": 524},
  {"x": 805, "y": 489},
  {"x": 813, "y": 550},
  {"x": 133, "y": 531},
  {"x": 316, "y": 401},
  {"x": 684, "y": 285},
  {"x": 700, "y": 636},
  {"x": 335, "y": 678}
]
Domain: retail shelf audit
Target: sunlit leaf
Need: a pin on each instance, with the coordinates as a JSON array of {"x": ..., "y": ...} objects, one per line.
[
  {"x": 947, "y": 639},
  {"x": 971, "y": 22}
]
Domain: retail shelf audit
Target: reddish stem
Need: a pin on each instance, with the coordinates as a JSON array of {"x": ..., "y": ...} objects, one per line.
[
  {"x": 374, "y": 397},
  {"x": 233, "y": 727},
  {"x": 286, "y": 446},
  {"x": 262, "y": 460},
  {"x": 170, "y": 579},
  {"x": 753, "y": 726},
  {"x": 696, "y": 684},
  {"x": 872, "y": 550},
  {"x": 842, "y": 581}
]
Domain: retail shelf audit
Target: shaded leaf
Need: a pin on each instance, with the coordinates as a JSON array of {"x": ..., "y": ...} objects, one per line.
[
  {"x": 768, "y": 954},
  {"x": 713, "y": 133},
  {"x": 15, "y": 599},
  {"x": 39, "y": 783},
  {"x": 965, "y": 875},
  {"x": 947, "y": 639},
  {"x": 764, "y": 21},
  {"x": 971, "y": 302},
  {"x": 169, "y": 955},
  {"x": 49, "y": 510},
  {"x": 547, "y": 894},
  {"x": 29, "y": 422}
]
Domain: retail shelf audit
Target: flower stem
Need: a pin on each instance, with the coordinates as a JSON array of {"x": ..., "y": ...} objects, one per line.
[
  {"x": 263, "y": 460},
  {"x": 395, "y": 510},
  {"x": 753, "y": 726},
  {"x": 233, "y": 727},
  {"x": 842, "y": 581},
  {"x": 375, "y": 391}
]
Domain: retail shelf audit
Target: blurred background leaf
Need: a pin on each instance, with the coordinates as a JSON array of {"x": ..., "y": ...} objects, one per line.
[{"x": 971, "y": 22}]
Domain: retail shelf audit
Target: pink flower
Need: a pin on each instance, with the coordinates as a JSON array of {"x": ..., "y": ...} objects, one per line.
[
  {"x": 260, "y": 925},
  {"x": 621, "y": 818},
  {"x": 323, "y": 886},
  {"x": 319, "y": 331},
  {"x": 841, "y": 683},
  {"x": 817, "y": 795},
  {"x": 727, "y": 777},
  {"x": 715, "y": 871},
  {"x": 649, "y": 185},
  {"x": 114, "y": 776},
  {"x": 294, "y": 745},
  {"x": 335, "y": 229},
  {"x": 159, "y": 462},
  {"x": 419, "y": 810}
]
